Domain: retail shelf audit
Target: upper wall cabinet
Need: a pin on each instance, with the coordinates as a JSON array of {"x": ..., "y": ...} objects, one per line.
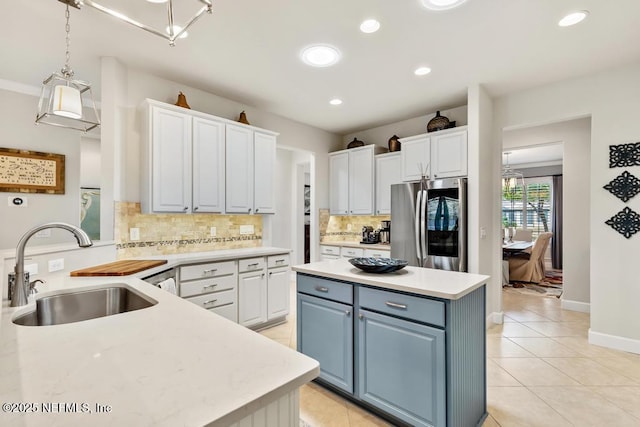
[
  {"x": 436, "y": 155},
  {"x": 251, "y": 158},
  {"x": 388, "y": 172},
  {"x": 351, "y": 181},
  {"x": 185, "y": 155}
]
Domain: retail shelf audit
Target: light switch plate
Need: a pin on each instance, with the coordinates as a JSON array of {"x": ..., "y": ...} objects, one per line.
[
  {"x": 246, "y": 229},
  {"x": 56, "y": 265},
  {"x": 134, "y": 234},
  {"x": 32, "y": 269},
  {"x": 212, "y": 232}
]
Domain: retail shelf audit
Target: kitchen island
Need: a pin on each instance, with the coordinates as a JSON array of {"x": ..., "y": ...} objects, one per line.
[
  {"x": 166, "y": 365},
  {"x": 409, "y": 345}
]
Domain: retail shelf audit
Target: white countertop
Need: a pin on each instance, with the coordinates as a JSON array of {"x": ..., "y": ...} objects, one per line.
[
  {"x": 379, "y": 246},
  {"x": 422, "y": 281},
  {"x": 171, "y": 364}
]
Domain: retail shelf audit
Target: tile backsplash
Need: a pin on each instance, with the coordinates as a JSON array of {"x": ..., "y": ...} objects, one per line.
[
  {"x": 338, "y": 228},
  {"x": 163, "y": 234}
]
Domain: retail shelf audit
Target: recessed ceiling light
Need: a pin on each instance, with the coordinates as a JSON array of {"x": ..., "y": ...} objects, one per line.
[
  {"x": 335, "y": 101},
  {"x": 573, "y": 18},
  {"x": 441, "y": 4},
  {"x": 176, "y": 30},
  {"x": 422, "y": 71},
  {"x": 369, "y": 26},
  {"x": 320, "y": 55}
]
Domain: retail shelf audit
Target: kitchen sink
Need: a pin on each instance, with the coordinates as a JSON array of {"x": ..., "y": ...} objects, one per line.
[{"x": 77, "y": 306}]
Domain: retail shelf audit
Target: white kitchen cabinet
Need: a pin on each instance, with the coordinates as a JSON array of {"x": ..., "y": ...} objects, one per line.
[
  {"x": 351, "y": 181},
  {"x": 388, "y": 172},
  {"x": 264, "y": 176},
  {"x": 449, "y": 154},
  {"x": 278, "y": 280},
  {"x": 167, "y": 162},
  {"x": 212, "y": 286},
  {"x": 339, "y": 183},
  {"x": 416, "y": 157},
  {"x": 252, "y": 298},
  {"x": 377, "y": 253},
  {"x": 208, "y": 165},
  {"x": 436, "y": 155},
  {"x": 250, "y": 161},
  {"x": 346, "y": 252}
]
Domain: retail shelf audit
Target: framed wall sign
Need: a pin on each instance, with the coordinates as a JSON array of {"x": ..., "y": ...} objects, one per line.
[{"x": 23, "y": 171}]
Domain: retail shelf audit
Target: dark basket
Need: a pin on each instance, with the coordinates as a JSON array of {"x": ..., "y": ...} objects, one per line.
[{"x": 378, "y": 265}]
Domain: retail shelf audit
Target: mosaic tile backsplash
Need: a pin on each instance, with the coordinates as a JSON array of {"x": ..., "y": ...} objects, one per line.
[
  {"x": 163, "y": 234},
  {"x": 335, "y": 228}
]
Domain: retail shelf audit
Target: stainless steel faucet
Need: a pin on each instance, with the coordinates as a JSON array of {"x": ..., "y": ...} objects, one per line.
[{"x": 20, "y": 289}]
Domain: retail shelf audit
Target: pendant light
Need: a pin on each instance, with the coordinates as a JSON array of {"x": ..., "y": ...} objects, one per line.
[{"x": 64, "y": 101}]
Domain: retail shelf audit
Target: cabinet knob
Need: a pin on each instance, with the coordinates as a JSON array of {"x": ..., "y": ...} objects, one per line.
[
  {"x": 257, "y": 209},
  {"x": 346, "y": 212},
  {"x": 360, "y": 316},
  {"x": 186, "y": 208},
  {"x": 195, "y": 209},
  {"x": 347, "y": 312},
  {"x": 270, "y": 273},
  {"x": 435, "y": 175},
  {"x": 249, "y": 211},
  {"x": 263, "y": 275}
]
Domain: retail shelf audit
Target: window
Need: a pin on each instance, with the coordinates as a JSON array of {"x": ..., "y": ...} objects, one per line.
[{"x": 529, "y": 207}]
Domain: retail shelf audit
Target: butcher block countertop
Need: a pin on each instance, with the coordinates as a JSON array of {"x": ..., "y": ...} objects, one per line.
[{"x": 118, "y": 268}]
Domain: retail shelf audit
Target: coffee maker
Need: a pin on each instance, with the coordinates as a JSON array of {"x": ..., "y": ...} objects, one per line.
[
  {"x": 369, "y": 235},
  {"x": 385, "y": 232}
]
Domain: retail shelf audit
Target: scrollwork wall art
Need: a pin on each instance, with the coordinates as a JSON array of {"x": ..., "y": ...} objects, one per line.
[
  {"x": 625, "y": 222},
  {"x": 624, "y": 186},
  {"x": 624, "y": 155}
]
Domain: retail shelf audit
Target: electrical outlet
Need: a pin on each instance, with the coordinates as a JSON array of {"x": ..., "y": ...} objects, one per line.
[
  {"x": 213, "y": 231},
  {"x": 43, "y": 234},
  {"x": 483, "y": 232},
  {"x": 32, "y": 269},
  {"x": 246, "y": 229},
  {"x": 56, "y": 265},
  {"x": 17, "y": 202},
  {"x": 349, "y": 227},
  {"x": 134, "y": 234}
]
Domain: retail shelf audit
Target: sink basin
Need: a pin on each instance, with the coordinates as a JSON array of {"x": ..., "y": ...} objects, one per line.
[{"x": 77, "y": 306}]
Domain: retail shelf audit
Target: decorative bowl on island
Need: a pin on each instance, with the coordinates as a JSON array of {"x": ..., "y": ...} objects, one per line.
[{"x": 378, "y": 265}]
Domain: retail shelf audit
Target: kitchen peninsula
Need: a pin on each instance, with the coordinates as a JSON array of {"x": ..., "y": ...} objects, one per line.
[
  {"x": 409, "y": 345},
  {"x": 169, "y": 364}
]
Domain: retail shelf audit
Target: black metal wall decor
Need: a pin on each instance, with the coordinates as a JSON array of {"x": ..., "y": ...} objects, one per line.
[
  {"x": 624, "y": 186},
  {"x": 624, "y": 155},
  {"x": 625, "y": 222}
]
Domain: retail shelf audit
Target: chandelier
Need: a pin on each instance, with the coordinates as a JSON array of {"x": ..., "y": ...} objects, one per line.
[
  {"x": 64, "y": 101},
  {"x": 172, "y": 32},
  {"x": 511, "y": 178}
]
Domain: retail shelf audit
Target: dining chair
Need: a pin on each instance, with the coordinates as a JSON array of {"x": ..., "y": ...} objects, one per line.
[
  {"x": 523, "y": 235},
  {"x": 529, "y": 267}
]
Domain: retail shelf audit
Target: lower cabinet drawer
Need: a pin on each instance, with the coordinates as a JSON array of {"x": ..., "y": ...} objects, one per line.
[
  {"x": 215, "y": 300},
  {"x": 323, "y": 288},
  {"x": 401, "y": 305},
  {"x": 377, "y": 253},
  {"x": 210, "y": 269},
  {"x": 351, "y": 252},
  {"x": 203, "y": 286},
  {"x": 229, "y": 311},
  {"x": 251, "y": 264},
  {"x": 329, "y": 250},
  {"x": 278, "y": 261}
]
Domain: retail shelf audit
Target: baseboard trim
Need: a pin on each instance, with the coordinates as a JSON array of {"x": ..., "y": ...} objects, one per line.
[
  {"x": 583, "y": 307},
  {"x": 614, "y": 341},
  {"x": 495, "y": 318}
]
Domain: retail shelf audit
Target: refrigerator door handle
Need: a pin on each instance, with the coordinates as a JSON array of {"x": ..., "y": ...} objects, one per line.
[
  {"x": 423, "y": 224},
  {"x": 417, "y": 229}
]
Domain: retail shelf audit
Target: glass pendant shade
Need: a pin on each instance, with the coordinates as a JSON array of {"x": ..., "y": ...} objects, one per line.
[{"x": 67, "y": 102}]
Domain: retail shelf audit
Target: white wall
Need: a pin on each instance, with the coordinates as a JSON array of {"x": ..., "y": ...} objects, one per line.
[
  {"x": 18, "y": 130},
  {"x": 380, "y": 135},
  {"x": 90, "y": 163},
  {"x": 612, "y": 99},
  {"x": 282, "y": 222},
  {"x": 576, "y": 138}
]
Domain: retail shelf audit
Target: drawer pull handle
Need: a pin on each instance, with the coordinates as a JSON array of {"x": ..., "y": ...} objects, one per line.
[
  {"x": 255, "y": 264},
  {"x": 210, "y": 271},
  {"x": 396, "y": 305},
  {"x": 212, "y": 301},
  {"x": 322, "y": 289},
  {"x": 210, "y": 286},
  {"x": 279, "y": 260}
]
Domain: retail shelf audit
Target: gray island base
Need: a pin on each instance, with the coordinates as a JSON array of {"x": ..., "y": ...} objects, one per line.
[{"x": 409, "y": 346}]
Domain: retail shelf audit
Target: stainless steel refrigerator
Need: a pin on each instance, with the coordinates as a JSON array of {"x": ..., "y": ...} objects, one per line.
[{"x": 429, "y": 223}]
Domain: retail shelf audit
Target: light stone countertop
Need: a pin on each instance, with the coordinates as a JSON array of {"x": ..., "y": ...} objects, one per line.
[
  {"x": 171, "y": 364},
  {"x": 379, "y": 246},
  {"x": 450, "y": 285}
]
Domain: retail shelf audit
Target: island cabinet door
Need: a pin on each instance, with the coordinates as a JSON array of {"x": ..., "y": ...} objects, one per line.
[
  {"x": 252, "y": 298},
  {"x": 401, "y": 368},
  {"x": 325, "y": 333}
]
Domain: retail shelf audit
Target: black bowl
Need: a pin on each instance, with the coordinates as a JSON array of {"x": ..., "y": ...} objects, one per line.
[{"x": 378, "y": 265}]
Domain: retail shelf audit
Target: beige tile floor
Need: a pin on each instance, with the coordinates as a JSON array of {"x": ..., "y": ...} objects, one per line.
[{"x": 541, "y": 371}]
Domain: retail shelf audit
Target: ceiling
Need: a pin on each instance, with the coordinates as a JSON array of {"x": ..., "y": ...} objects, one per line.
[
  {"x": 248, "y": 51},
  {"x": 540, "y": 154}
]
